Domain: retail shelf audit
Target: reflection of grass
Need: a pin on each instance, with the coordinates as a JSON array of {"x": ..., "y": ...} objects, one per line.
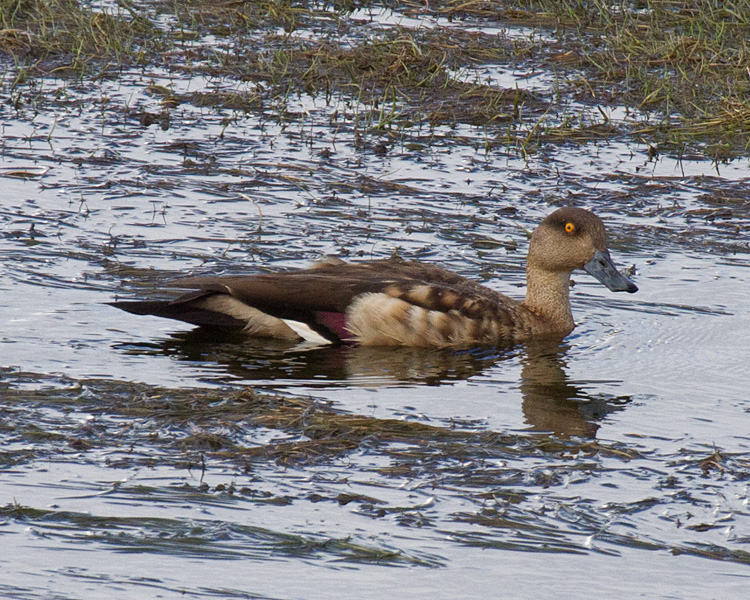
[{"x": 682, "y": 67}]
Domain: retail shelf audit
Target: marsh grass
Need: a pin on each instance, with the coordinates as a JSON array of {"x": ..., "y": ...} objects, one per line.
[
  {"x": 681, "y": 68},
  {"x": 53, "y": 36},
  {"x": 685, "y": 63}
]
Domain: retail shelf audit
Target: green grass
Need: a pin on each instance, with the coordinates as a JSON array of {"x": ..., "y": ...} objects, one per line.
[
  {"x": 684, "y": 63},
  {"x": 681, "y": 67},
  {"x": 50, "y": 36}
]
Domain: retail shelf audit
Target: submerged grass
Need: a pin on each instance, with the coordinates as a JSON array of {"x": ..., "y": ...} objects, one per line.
[
  {"x": 203, "y": 538},
  {"x": 242, "y": 431},
  {"x": 193, "y": 423},
  {"x": 681, "y": 67}
]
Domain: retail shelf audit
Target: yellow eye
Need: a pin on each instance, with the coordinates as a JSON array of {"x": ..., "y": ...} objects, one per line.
[{"x": 570, "y": 227}]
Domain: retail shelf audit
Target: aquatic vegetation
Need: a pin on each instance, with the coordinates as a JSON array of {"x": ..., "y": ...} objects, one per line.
[{"x": 679, "y": 69}]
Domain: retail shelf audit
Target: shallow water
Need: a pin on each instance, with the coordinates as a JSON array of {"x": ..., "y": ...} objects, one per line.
[{"x": 616, "y": 460}]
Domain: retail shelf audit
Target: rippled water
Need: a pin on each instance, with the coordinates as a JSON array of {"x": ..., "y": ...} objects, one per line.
[{"x": 616, "y": 460}]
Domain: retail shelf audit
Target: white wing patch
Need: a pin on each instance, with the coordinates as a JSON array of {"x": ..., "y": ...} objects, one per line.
[{"x": 305, "y": 332}]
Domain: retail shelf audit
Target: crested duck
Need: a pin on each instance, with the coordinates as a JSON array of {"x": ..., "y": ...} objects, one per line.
[{"x": 400, "y": 303}]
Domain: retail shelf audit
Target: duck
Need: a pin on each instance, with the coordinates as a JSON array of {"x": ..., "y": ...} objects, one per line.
[{"x": 395, "y": 302}]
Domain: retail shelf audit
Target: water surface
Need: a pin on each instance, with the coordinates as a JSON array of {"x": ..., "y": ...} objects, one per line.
[{"x": 133, "y": 466}]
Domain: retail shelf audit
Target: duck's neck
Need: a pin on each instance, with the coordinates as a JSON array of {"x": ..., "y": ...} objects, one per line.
[{"x": 547, "y": 295}]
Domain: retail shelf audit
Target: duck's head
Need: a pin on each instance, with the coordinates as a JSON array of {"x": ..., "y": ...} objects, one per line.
[{"x": 573, "y": 238}]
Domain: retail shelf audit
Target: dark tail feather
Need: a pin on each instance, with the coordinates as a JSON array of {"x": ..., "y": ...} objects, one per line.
[{"x": 180, "y": 311}]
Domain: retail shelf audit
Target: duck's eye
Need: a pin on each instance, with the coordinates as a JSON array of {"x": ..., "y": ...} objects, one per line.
[{"x": 570, "y": 227}]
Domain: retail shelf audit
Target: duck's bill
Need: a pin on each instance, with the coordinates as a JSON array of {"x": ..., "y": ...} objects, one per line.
[{"x": 602, "y": 267}]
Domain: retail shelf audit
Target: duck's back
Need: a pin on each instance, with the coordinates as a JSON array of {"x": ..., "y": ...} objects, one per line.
[{"x": 387, "y": 302}]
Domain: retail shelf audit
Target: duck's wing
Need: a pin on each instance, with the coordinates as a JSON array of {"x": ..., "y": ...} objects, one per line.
[
  {"x": 282, "y": 305},
  {"x": 382, "y": 302},
  {"x": 212, "y": 309}
]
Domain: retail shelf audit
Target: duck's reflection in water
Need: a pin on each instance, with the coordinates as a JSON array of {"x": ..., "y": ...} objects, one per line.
[
  {"x": 555, "y": 404},
  {"x": 551, "y": 401}
]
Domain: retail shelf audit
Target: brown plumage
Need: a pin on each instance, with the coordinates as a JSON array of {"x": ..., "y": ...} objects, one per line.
[{"x": 395, "y": 302}]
